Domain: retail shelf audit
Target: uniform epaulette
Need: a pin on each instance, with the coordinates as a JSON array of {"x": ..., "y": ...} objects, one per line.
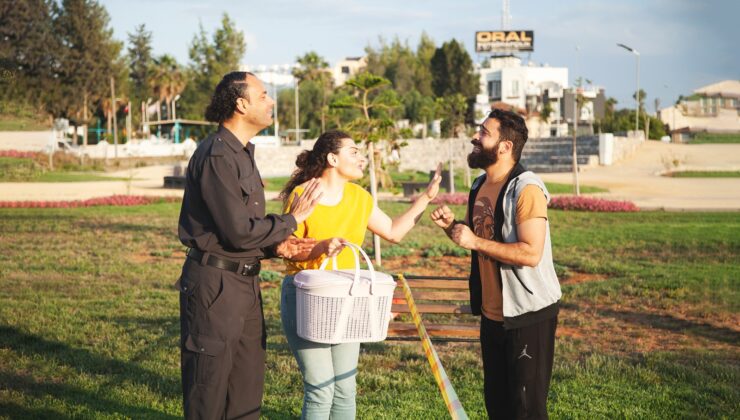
[{"x": 218, "y": 148}]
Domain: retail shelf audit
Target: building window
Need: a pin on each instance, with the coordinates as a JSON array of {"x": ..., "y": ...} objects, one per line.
[
  {"x": 345, "y": 69},
  {"x": 494, "y": 90},
  {"x": 515, "y": 88}
]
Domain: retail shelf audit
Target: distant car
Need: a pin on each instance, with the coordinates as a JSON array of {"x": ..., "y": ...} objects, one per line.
[{"x": 665, "y": 139}]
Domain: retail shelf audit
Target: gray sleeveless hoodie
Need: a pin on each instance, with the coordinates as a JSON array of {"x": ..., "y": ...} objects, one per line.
[{"x": 530, "y": 294}]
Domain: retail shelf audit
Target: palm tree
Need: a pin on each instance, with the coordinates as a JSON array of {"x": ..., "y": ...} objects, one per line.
[
  {"x": 166, "y": 81},
  {"x": 313, "y": 67}
]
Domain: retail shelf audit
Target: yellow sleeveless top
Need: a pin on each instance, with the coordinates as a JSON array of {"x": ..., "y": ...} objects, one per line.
[{"x": 347, "y": 219}]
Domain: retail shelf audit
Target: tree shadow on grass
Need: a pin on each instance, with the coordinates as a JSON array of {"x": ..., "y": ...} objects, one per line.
[
  {"x": 88, "y": 363},
  {"x": 167, "y": 231},
  {"x": 71, "y": 396},
  {"x": 166, "y": 328},
  {"x": 667, "y": 323},
  {"x": 671, "y": 323}
]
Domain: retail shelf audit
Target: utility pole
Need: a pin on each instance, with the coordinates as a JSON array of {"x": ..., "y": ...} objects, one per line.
[
  {"x": 128, "y": 123},
  {"x": 576, "y": 186},
  {"x": 297, "y": 115},
  {"x": 84, "y": 133},
  {"x": 115, "y": 120}
]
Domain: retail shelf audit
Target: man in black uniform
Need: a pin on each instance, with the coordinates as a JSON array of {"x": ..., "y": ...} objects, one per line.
[{"x": 223, "y": 222}]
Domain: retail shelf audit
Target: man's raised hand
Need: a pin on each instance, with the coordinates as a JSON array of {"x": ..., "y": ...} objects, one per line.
[{"x": 304, "y": 204}]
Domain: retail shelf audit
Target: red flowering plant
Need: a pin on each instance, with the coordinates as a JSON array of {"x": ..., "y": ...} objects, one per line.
[
  {"x": 17, "y": 154},
  {"x": 114, "y": 200},
  {"x": 591, "y": 204}
]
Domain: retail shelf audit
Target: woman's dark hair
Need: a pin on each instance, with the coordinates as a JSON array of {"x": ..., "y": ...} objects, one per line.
[
  {"x": 223, "y": 102},
  {"x": 311, "y": 163},
  {"x": 512, "y": 128}
]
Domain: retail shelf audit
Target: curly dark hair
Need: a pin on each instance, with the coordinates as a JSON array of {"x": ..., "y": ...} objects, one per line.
[
  {"x": 223, "y": 102},
  {"x": 512, "y": 128},
  {"x": 311, "y": 163}
]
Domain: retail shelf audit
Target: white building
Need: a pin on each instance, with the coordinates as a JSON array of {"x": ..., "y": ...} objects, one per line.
[
  {"x": 534, "y": 90},
  {"x": 345, "y": 69},
  {"x": 503, "y": 79},
  {"x": 714, "y": 109}
]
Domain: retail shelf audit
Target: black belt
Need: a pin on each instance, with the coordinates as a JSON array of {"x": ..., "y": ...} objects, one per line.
[{"x": 224, "y": 264}]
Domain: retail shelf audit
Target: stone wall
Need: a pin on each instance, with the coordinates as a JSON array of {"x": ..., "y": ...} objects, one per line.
[
  {"x": 613, "y": 149},
  {"x": 26, "y": 141},
  {"x": 419, "y": 154}
]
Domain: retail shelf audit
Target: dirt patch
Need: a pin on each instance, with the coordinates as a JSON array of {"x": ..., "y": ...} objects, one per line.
[
  {"x": 577, "y": 278},
  {"x": 631, "y": 327},
  {"x": 416, "y": 265},
  {"x": 635, "y": 328},
  {"x": 142, "y": 257}
]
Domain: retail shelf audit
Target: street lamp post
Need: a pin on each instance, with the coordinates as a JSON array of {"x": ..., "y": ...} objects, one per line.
[
  {"x": 576, "y": 186},
  {"x": 637, "y": 92},
  {"x": 174, "y": 118},
  {"x": 174, "y": 107}
]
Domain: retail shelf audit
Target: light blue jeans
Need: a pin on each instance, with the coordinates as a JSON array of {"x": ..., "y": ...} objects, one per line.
[{"x": 329, "y": 370}]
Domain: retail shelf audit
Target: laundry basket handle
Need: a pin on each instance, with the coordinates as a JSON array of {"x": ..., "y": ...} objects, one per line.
[
  {"x": 355, "y": 249},
  {"x": 326, "y": 262}
]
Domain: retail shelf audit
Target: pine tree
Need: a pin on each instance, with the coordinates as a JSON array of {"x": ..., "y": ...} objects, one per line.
[
  {"x": 28, "y": 53},
  {"x": 209, "y": 62},
  {"x": 139, "y": 62},
  {"x": 452, "y": 71}
]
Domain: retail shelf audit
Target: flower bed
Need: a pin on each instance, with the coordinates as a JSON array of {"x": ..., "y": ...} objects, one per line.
[
  {"x": 114, "y": 200},
  {"x": 18, "y": 154},
  {"x": 591, "y": 204},
  {"x": 559, "y": 202}
]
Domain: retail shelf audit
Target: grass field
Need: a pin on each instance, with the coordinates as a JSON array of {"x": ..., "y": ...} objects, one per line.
[
  {"x": 706, "y": 138},
  {"x": 277, "y": 183},
  {"x": 649, "y": 326},
  {"x": 28, "y": 170},
  {"x": 704, "y": 174}
]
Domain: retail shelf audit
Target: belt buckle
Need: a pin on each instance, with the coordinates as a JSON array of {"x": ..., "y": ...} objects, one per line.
[{"x": 250, "y": 269}]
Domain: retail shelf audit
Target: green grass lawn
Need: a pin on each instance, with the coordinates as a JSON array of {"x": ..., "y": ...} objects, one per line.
[
  {"x": 8, "y": 123},
  {"x": 89, "y": 320},
  {"x": 706, "y": 138},
  {"x": 26, "y": 170},
  {"x": 704, "y": 174},
  {"x": 277, "y": 183}
]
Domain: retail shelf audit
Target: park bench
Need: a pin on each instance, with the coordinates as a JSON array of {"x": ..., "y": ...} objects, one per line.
[
  {"x": 174, "y": 182},
  {"x": 177, "y": 179},
  {"x": 443, "y": 303},
  {"x": 412, "y": 187}
]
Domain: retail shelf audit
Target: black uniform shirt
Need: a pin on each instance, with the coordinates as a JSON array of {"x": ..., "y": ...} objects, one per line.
[{"x": 223, "y": 209}]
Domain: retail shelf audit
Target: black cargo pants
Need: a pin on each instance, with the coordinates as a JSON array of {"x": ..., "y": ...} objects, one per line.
[{"x": 222, "y": 343}]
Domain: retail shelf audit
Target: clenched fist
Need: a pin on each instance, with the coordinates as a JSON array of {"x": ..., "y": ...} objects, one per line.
[
  {"x": 463, "y": 236},
  {"x": 443, "y": 217}
]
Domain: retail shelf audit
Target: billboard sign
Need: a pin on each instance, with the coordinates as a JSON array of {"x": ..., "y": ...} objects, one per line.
[{"x": 504, "y": 41}]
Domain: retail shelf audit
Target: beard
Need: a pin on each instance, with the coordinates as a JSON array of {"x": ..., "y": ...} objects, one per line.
[{"x": 483, "y": 158}]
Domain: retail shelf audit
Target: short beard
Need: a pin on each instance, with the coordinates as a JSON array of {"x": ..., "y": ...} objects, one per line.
[{"x": 484, "y": 158}]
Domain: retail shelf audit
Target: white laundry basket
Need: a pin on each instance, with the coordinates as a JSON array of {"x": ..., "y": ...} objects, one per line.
[{"x": 343, "y": 306}]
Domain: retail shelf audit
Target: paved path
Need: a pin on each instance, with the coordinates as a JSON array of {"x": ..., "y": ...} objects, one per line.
[
  {"x": 639, "y": 179},
  {"x": 636, "y": 179}
]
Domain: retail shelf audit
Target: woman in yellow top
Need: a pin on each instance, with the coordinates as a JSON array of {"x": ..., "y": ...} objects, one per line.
[{"x": 344, "y": 212}]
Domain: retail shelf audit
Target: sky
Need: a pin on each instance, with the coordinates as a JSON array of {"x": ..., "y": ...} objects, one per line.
[{"x": 683, "y": 44}]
